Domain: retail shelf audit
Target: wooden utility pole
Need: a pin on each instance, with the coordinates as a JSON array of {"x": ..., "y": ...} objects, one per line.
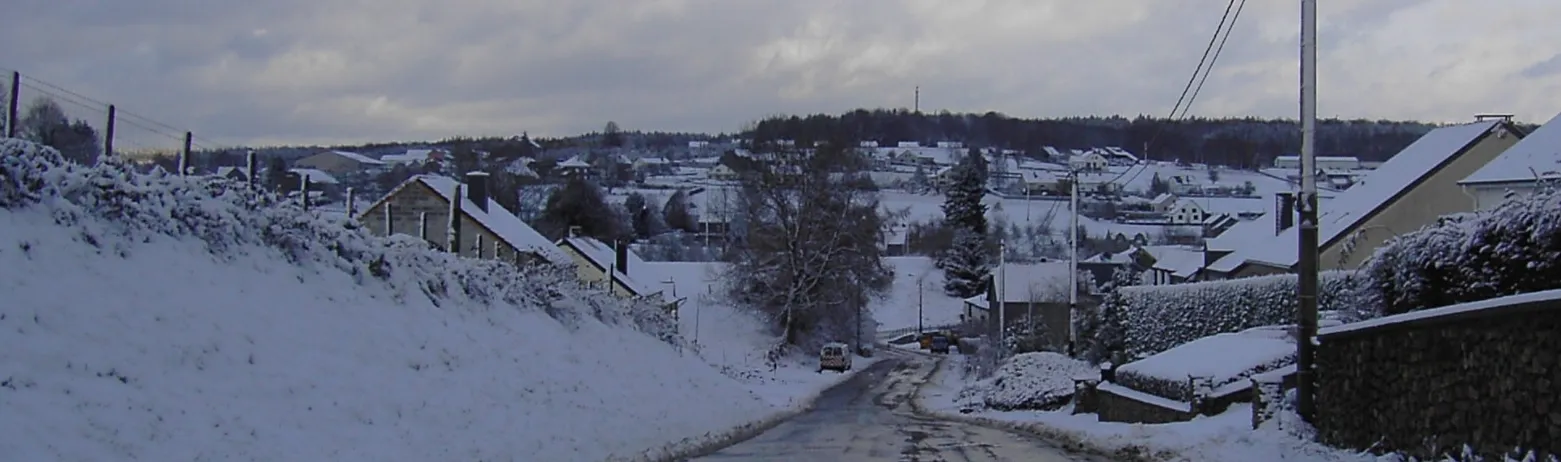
[
  {"x": 11, "y": 105},
  {"x": 184, "y": 155},
  {"x": 249, "y": 168},
  {"x": 108, "y": 133},
  {"x": 453, "y": 229},
  {"x": 1307, "y": 258}
]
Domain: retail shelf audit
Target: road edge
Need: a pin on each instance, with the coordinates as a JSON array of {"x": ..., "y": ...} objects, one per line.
[
  {"x": 1065, "y": 440},
  {"x": 713, "y": 442}
]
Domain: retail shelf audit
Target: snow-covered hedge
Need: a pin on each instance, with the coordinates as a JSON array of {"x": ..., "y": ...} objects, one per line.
[
  {"x": 1158, "y": 318},
  {"x": 1038, "y": 381},
  {"x": 229, "y": 216},
  {"x": 1512, "y": 249}
]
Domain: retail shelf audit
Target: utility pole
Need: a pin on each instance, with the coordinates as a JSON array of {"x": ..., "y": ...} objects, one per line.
[
  {"x": 1073, "y": 260},
  {"x": 1002, "y": 294},
  {"x": 1307, "y": 258},
  {"x": 108, "y": 133},
  {"x": 917, "y": 103},
  {"x": 11, "y": 104}
]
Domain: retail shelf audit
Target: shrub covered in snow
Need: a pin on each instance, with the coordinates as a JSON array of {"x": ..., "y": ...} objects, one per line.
[
  {"x": 226, "y": 215},
  {"x": 1038, "y": 381},
  {"x": 1157, "y": 318},
  {"x": 1512, "y": 249}
]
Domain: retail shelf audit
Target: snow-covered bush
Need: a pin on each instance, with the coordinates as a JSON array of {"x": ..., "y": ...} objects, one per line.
[
  {"x": 1157, "y": 318},
  {"x": 1029, "y": 381},
  {"x": 229, "y": 217},
  {"x": 1512, "y": 249}
]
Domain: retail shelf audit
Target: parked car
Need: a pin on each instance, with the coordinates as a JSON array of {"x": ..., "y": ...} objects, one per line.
[
  {"x": 835, "y": 356},
  {"x": 940, "y": 344}
]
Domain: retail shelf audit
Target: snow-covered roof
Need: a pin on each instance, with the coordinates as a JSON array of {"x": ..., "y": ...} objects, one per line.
[
  {"x": 1536, "y": 155},
  {"x": 1051, "y": 151},
  {"x": 499, "y": 220},
  {"x": 1039, "y": 176},
  {"x": 315, "y": 176},
  {"x": 411, "y": 155},
  {"x": 360, "y": 158},
  {"x": 1255, "y": 241},
  {"x": 225, "y": 171},
  {"x": 1179, "y": 260},
  {"x": 1163, "y": 199},
  {"x": 574, "y": 162},
  {"x": 653, "y": 160},
  {"x": 605, "y": 259}
]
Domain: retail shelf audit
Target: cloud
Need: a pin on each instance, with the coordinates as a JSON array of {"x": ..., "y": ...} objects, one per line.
[{"x": 342, "y": 70}]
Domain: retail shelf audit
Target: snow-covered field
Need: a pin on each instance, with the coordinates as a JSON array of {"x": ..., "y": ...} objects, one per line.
[
  {"x": 151, "y": 318},
  {"x": 1225, "y": 437}
]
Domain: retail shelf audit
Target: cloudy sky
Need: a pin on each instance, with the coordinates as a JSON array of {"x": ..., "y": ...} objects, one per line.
[{"x": 306, "y": 71}]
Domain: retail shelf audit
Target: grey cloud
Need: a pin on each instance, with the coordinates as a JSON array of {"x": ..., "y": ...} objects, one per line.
[
  {"x": 314, "y": 70},
  {"x": 1544, "y": 68}
]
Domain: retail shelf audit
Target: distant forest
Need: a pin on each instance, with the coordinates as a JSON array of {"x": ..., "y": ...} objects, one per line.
[{"x": 1237, "y": 142}]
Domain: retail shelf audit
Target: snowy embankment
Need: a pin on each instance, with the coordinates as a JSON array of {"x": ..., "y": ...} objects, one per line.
[
  {"x": 150, "y": 317},
  {"x": 1225, "y": 437},
  {"x": 735, "y": 342}
]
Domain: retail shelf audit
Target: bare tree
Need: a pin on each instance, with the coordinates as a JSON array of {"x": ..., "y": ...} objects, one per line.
[{"x": 807, "y": 256}]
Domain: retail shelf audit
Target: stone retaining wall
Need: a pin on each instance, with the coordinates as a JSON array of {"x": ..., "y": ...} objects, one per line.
[{"x": 1428, "y": 383}]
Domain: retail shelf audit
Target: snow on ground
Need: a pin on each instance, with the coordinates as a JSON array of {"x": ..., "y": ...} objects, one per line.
[
  {"x": 917, "y": 283},
  {"x": 1039, "y": 380},
  {"x": 736, "y": 342},
  {"x": 1225, "y": 437},
  {"x": 155, "y": 318}
]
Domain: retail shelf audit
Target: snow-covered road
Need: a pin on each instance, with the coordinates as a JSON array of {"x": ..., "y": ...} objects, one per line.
[{"x": 869, "y": 418}]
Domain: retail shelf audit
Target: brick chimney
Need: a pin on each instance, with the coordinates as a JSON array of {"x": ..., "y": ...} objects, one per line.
[
  {"x": 1284, "y": 211},
  {"x": 477, "y": 189},
  {"x": 621, "y": 254}
]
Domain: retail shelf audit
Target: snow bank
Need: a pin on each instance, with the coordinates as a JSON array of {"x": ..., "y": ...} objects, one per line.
[
  {"x": 1227, "y": 437},
  {"x": 1042, "y": 380},
  {"x": 1158, "y": 318},
  {"x": 164, "y": 318},
  {"x": 1221, "y": 359}
]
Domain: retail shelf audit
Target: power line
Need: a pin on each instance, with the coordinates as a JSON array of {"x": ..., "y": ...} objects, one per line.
[
  {"x": 1215, "y": 58},
  {"x": 1188, "y": 87},
  {"x": 123, "y": 115},
  {"x": 1206, "y": 50}
]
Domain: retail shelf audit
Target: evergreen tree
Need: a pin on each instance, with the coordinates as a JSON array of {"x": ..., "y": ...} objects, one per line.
[
  {"x": 276, "y": 174},
  {"x": 965, "y": 265},
  {"x": 1158, "y": 186},
  {"x": 675, "y": 213},
  {"x": 641, "y": 218},
  {"x": 581, "y": 203}
]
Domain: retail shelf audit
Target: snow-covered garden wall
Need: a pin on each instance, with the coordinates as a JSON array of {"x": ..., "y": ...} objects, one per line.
[
  {"x": 1512, "y": 249},
  {"x": 1157, "y": 318},
  {"x": 1482, "y": 374}
]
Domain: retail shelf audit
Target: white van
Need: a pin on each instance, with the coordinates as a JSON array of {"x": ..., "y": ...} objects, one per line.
[{"x": 835, "y": 356}]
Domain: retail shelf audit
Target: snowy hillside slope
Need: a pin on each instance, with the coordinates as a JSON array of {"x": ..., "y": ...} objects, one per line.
[{"x": 147, "y": 317}]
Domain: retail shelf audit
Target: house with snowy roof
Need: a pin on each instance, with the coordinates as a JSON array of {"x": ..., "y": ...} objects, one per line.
[
  {"x": 1410, "y": 190},
  {"x": 1038, "y": 289},
  {"x": 339, "y": 162},
  {"x": 420, "y": 207},
  {"x": 574, "y": 166},
  {"x": 1534, "y": 160},
  {"x": 416, "y": 156},
  {"x": 595, "y": 261},
  {"x": 1089, "y": 161}
]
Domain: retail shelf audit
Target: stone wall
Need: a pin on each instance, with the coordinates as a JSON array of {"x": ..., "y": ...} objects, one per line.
[
  {"x": 1117, "y": 407},
  {"x": 1483, "y": 374}
]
